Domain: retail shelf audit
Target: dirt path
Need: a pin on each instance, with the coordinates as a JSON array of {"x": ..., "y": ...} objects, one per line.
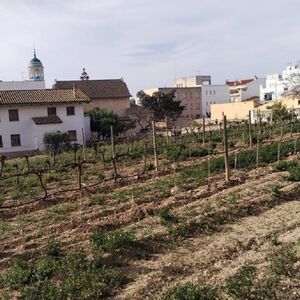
[{"x": 212, "y": 259}]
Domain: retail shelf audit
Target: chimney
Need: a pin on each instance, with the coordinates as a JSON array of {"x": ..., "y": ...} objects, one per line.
[{"x": 74, "y": 90}]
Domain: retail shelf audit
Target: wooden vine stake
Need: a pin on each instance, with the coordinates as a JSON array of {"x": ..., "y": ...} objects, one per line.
[
  {"x": 83, "y": 144},
  {"x": 292, "y": 121},
  {"x": 226, "y": 157},
  {"x": 167, "y": 130},
  {"x": 154, "y": 146},
  {"x": 250, "y": 130},
  {"x": 257, "y": 151},
  {"x": 279, "y": 145},
  {"x": 113, "y": 151},
  {"x": 203, "y": 128}
]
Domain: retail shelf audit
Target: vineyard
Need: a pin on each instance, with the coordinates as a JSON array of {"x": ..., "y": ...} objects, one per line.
[{"x": 210, "y": 214}]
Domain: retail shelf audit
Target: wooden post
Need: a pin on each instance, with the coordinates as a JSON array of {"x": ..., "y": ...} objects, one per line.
[
  {"x": 292, "y": 121},
  {"x": 17, "y": 172},
  {"x": 83, "y": 144},
  {"x": 79, "y": 167},
  {"x": 113, "y": 151},
  {"x": 226, "y": 158},
  {"x": 235, "y": 160},
  {"x": 259, "y": 121},
  {"x": 250, "y": 129},
  {"x": 257, "y": 152},
  {"x": 271, "y": 125},
  {"x": 167, "y": 131},
  {"x": 203, "y": 129},
  {"x": 208, "y": 162},
  {"x": 279, "y": 145},
  {"x": 154, "y": 146}
]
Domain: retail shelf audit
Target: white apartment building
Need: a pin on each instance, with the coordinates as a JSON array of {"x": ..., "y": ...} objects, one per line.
[
  {"x": 245, "y": 89},
  {"x": 278, "y": 85},
  {"x": 193, "y": 81},
  {"x": 25, "y": 117}
]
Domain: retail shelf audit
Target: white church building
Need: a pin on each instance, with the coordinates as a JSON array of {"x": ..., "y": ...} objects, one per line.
[
  {"x": 35, "y": 81},
  {"x": 25, "y": 117},
  {"x": 28, "y": 110}
]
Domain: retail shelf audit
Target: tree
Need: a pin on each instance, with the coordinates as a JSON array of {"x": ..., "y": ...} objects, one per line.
[
  {"x": 101, "y": 120},
  {"x": 292, "y": 83},
  {"x": 280, "y": 112},
  {"x": 56, "y": 142},
  {"x": 164, "y": 105}
]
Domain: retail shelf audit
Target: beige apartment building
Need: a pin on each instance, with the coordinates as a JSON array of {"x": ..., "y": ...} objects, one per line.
[
  {"x": 233, "y": 110},
  {"x": 196, "y": 100}
]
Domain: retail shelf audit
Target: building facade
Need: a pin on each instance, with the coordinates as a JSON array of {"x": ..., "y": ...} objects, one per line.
[
  {"x": 234, "y": 111},
  {"x": 241, "y": 90},
  {"x": 110, "y": 94},
  {"x": 25, "y": 117},
  {"x": 193, "y": 81},
  {"x": 278, "y": 85},
  {"x": 197, "y": 101}
]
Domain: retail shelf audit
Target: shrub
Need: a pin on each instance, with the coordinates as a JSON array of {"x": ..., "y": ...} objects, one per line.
[
  {"x": 284, "y": 165},
  {"x": 294, "y": 173},
  {"x": 113, "y": 240},
  {"x": 166, "y": 217},
  {"x": 283, "y": 260},
  {"x": 44, "y": 267},
  {"x": 241, "y": 284},
  {"x": 19, "y": 274},
  {"x": 53, "y": 248},
  {"x": 191, "y": 292}
]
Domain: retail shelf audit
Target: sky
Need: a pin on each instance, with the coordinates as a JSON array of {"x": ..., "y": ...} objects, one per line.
[{"x": 149, "y": 42}]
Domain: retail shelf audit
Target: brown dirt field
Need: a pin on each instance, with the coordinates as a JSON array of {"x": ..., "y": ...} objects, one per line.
[{"x": 248, "y": 211}]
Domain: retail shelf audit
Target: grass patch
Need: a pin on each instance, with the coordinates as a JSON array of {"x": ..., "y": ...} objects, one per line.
[{"x": 191, "y": 292}]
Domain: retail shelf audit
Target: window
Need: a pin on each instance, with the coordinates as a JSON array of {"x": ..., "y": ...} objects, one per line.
[
  {"x": 210, "y": 92},
  {"x": 15, "y": 140},
  {"x": 1, "y": 142},
  {"x": 13, "y": 115},
  {"x": 70, "y": 110},
  {"x": 72, "y": 135},
  {"x": 214, "y": 92},
  {"x": 51, "y": 111}
]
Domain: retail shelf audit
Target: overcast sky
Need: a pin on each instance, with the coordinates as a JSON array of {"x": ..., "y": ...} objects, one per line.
[{"x": 149, "y": 42}]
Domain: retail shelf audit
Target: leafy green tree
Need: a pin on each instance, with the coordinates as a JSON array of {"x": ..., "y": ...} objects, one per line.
[
  {"x": 280, "y": 112},
  {"x": 164, "y": 105},
  {"x": 101, "y": 120},
  {"x": 56, "y": 142}
]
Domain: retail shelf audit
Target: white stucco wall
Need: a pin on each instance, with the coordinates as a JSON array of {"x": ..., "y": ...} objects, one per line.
[
  {"x": 31, "y": 134},
  {"x": 253, "y": 89},
  {"x": 22, "y": 85},
  {"x": 213, "y": 94}
]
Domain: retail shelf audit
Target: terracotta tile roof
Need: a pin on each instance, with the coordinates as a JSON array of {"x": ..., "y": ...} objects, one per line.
[
  {"x": 47, "y": 120},
  {"x": 239, "y": 82},
  {"x": 95, "y": 89},
  {"x": 41, "y": 96}
]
